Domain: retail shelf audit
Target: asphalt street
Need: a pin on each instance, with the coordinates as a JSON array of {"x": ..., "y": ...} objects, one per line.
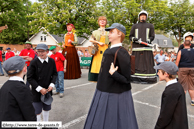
[{"x": 72, "y": 109}]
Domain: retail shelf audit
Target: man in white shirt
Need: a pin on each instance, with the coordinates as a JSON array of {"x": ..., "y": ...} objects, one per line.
[{"x": 159, "y": 58}]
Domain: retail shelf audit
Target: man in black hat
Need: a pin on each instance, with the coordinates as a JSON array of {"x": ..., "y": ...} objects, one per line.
[
  {"x": 144, "y": 61},
  {"x": 15, "y": 97},
  {"x": 42, "y": 76}
]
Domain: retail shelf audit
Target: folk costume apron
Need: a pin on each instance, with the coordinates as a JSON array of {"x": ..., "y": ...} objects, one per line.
[
  {"x": 96, "y": 63},
  {"x": 101, "y": 36}
]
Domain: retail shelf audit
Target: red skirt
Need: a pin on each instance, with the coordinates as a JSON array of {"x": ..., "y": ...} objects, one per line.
[{"x": 73, "y": 70}]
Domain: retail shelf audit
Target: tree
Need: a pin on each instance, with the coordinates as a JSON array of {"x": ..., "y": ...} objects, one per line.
[
  {"x": 55, "y": 14},
  {"x": 126, "y": 11},
  {"x": 180, "y": 20},
  {"x": 13, "y": 13}
]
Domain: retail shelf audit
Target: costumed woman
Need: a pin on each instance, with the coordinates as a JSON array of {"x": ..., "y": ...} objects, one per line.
[
  {"x": 73, "y": 70},
  {"x": 100, "y": 41},
  {"x": 112, "y": 105}
]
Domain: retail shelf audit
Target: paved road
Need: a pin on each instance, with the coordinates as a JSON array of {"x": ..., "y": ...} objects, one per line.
[{"x": 72, "y": 109}]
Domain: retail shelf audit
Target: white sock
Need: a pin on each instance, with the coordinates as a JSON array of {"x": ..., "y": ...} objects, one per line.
[
  {"x": 38, "y": 117},
  {"x": 45, "y": 115}
]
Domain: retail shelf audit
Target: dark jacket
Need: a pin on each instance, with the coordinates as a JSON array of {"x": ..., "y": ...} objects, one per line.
[
  {"x": 41, "y": 74},
  {"x": 120, "y": 81},
  {"x": 142, "y": 30},
  {"x": 16, "y": 102},
  {"x": 173, "y": 112}
]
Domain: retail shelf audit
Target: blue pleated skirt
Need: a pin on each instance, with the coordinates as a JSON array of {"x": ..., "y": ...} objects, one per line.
[{"x": 111, "y": 111}]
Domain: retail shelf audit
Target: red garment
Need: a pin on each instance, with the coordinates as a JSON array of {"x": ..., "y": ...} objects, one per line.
[
  {"x": 1, "y": 60},
  {"x": 73, "y": 70},
  {"x": 8, "y": 55},
  {"x": 59, "y": 61},
  {"x": 26, "y": 52}
]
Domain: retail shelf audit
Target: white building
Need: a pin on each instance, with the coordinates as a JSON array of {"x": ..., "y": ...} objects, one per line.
[
  {"x": 162, "y": 42},
  {"x": 43, "y": 36}
]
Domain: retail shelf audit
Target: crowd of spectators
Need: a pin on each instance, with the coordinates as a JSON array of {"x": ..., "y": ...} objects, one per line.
[{"x": 162, "y": 56}]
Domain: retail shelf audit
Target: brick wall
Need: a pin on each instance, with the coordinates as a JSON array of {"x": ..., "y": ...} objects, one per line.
[{"x": 18, "y": 47}]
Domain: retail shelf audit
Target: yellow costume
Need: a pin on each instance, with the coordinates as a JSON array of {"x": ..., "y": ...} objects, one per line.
[{"x": 102, "y": 36}]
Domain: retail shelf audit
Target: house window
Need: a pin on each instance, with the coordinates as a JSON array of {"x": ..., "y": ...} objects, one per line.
[
  {"x": 45, "y": 38},
  {"x": 165, "y": 42},
  {"x": 41, "y": 38}
]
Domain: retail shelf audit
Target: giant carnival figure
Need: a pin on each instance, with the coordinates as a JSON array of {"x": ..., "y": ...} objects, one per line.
[
  {"x": 142, "y": 34},
  {"x": 73, "y": 70},
  {"x": 100, "y": 41}
]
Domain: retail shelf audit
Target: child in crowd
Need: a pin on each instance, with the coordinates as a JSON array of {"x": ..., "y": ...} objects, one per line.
[
  {"x": 173, "y": 112},
  {"x": 15, "y": 97},
  {"x": 61, "y": 65},
  {"x": 112, "y": 106},
  {"x": 42, "y": 76}
]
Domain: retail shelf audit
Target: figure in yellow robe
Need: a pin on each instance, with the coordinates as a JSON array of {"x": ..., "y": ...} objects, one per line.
[{"x": 101, "y": 36}]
